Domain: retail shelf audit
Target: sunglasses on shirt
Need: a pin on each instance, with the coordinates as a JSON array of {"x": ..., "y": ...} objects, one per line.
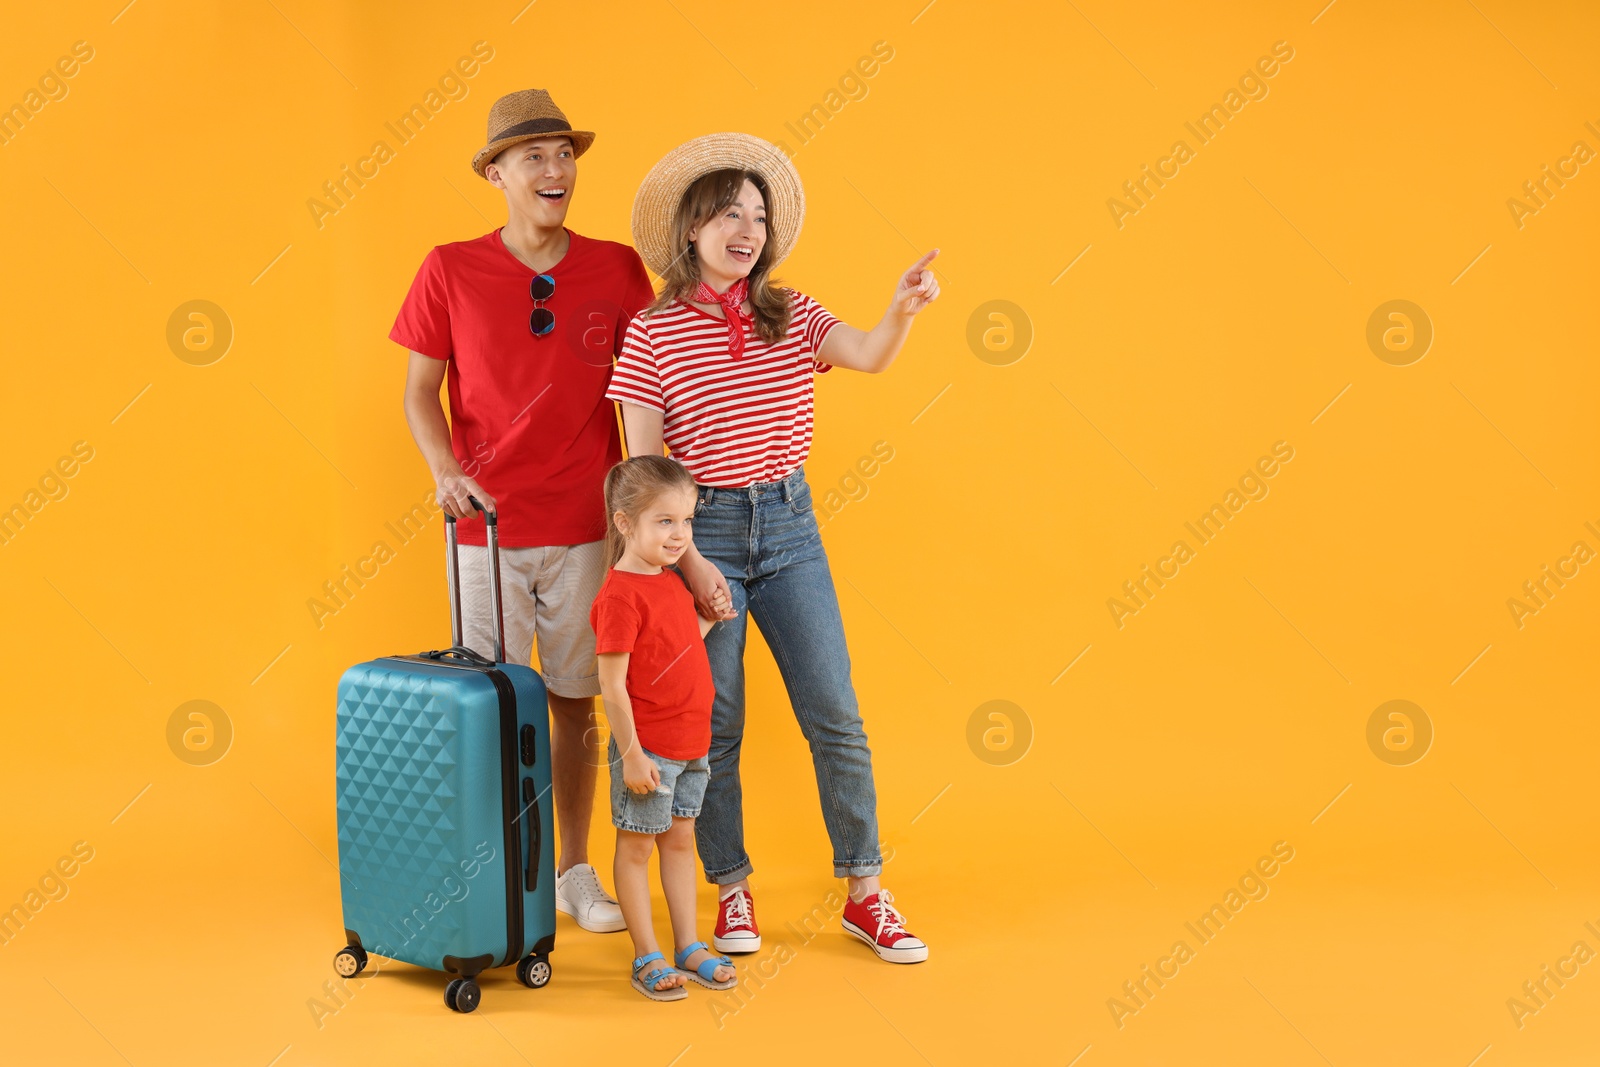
[{"x": 542, "y": 320}]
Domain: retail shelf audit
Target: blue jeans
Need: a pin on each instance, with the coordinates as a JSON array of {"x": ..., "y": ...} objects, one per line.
[{"x": 764, "y": 540}]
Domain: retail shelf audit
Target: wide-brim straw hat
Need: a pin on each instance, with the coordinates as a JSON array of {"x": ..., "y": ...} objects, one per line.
[
  {"x": 661, "y": 192},
  {"x": 526, "y": 116}
]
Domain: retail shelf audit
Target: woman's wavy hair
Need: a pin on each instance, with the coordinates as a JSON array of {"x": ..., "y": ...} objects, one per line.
[
  {"x": 704, "y": 200},
  {"x": 633, "y": 485}
]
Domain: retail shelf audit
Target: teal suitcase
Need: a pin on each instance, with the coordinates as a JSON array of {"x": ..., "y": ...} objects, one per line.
[{"x": 446, "y": 855}]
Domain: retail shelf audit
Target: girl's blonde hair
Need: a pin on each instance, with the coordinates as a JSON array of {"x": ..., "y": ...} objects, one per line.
[
  {"x": 704, "y": 200},
  {"x": 634, "y": 484}
]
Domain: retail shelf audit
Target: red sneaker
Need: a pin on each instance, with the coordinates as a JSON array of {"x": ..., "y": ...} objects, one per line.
[
  {"x": 876, "y": 922},
  {"x": 736, "y": 930}
]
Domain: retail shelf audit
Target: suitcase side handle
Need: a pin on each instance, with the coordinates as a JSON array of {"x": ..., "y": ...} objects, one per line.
[
  {"x": 492, "y": 524},
  {"x": 535, "y": 835}
]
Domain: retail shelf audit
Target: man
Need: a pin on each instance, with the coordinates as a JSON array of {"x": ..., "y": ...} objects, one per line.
[{"x": 524, "y": 322}]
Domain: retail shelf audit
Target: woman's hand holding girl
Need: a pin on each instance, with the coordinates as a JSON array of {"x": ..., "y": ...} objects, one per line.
[{"x": 712, "y": 597}]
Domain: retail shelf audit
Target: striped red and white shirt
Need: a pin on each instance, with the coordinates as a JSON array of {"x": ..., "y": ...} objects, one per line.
[{"x": 732, "y": 422}]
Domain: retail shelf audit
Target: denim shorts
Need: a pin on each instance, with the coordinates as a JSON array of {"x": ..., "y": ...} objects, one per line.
[{"x": 682, "y": 789}]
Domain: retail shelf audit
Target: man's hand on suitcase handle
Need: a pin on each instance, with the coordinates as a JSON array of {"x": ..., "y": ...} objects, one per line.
[{"x": 456, "y": 493}]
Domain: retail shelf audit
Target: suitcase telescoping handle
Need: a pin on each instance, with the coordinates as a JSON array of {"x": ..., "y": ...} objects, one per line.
[{"x": 491, "y": 521}]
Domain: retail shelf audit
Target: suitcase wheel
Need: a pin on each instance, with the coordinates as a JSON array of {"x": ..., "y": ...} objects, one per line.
[
  {"x": 462, "y": 994},
  {"x": 351, "y": 961},
  {"x": 534, "y": 971}
]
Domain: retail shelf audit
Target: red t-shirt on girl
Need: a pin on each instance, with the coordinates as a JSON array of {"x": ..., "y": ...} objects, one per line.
[
  {"x": 653, "y": 617},
  {"x": 529, "y": 418},
  {"x": 732, "y": 422}
]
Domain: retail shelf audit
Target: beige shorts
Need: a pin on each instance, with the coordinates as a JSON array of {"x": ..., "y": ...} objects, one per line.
[{"x": 548, "y": 591}]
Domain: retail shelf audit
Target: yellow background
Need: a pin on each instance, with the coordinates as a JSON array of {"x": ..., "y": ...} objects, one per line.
[{"x": 1227, "y": 315}]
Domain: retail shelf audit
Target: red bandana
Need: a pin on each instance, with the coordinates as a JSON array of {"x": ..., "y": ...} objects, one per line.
[{"x": 730, "y": 301}]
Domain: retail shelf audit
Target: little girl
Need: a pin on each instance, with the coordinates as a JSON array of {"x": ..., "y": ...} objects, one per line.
[{"x": 656, "y": 682}]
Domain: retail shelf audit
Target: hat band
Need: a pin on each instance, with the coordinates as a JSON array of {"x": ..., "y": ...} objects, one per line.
[{"x": 533, "y": 126}]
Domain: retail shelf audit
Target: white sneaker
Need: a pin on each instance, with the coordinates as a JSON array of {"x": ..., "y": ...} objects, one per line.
[{"x": 580, "y": 895}]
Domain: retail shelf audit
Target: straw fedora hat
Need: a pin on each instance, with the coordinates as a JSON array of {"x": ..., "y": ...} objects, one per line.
[
  {"x": 662, "y": 191},
  {"x": 525, "y": 116}
]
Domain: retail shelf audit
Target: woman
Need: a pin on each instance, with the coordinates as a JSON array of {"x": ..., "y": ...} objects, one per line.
[{"x": 719, "y": 368}]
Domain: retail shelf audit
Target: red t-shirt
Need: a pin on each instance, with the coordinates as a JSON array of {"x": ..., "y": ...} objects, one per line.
[
  {"x": 653, "y": 617},
  {"x": 529, "y": 417}
]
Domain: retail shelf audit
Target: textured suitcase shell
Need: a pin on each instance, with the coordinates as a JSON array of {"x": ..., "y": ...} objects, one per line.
[{"x": 422, "y": 816}]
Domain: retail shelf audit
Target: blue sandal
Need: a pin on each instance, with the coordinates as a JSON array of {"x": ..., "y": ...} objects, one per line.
[
  {"x": 703, "y": 973},
  {"x": 647, "y": 983}
]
